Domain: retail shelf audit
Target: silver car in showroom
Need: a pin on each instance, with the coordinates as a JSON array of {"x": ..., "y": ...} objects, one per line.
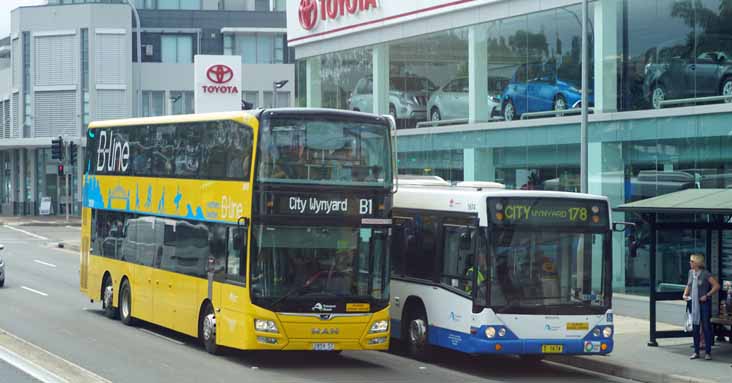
[
  {"x": 451, "y": 101},
  {"x": 2, "y": 268},
  {"x": 407, "y": 97}
]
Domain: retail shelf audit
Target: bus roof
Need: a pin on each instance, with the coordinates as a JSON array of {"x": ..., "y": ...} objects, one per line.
[
  {"x": 469, "y": 199},
  {"x": 245, "y": 116}
]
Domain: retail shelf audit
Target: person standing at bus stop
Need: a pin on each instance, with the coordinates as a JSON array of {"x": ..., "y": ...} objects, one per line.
[{"x": 700, "y": 288}]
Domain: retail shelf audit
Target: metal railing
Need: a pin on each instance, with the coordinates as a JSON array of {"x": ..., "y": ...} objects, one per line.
[
  {"x": 691, "y": 100},
  {"x": 554, "y": 113},
  {"x": 458, "y": 121}
]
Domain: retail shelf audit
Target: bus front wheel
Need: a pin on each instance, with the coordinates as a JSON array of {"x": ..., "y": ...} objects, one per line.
[
  {"x": 207, "y": 330},
  {"x": 417, "y": 341},
  {"x": 125, "y": 304},
  {"x": 108, "y": 299}
]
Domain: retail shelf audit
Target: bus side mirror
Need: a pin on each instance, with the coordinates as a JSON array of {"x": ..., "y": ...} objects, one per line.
[
  {"x": 633, "y": 242},
  {"x": 240, "y": 234},
  {"x": 633, "y": 245}
]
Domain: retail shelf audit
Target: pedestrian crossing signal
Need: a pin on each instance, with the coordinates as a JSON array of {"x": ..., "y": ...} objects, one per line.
[{"x": 60, "y": 169}]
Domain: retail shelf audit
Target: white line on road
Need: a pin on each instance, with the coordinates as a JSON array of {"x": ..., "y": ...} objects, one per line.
[
  {"x": 44, "y": 263},
  {"x": 73, "y": 227},
  {"x": 29, "y": 367},
  {"x": 26, "y": 232},
  {"x": 34, "y": 291},
  {"x": 162, "y": 336}
]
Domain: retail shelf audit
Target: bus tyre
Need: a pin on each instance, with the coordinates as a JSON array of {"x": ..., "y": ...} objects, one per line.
[
  {"x": 108, "y": 299},
  {"x": 207, "y": 330},
  {"x": 417, "y": 344},
  {"x": 125, "y": 304}
]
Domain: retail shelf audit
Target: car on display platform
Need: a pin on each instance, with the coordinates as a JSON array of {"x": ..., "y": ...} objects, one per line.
[
  {"x": 451, "y": 101},
  {"x": 539, "y": 88},
  {"x": 2, "y": 268},
  {"x": 408, "y": 97},
  {"x": 678, "y": 74}
]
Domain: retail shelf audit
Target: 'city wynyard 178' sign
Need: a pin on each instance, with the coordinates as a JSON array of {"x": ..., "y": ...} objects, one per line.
[{"x": 311, "y": 10}]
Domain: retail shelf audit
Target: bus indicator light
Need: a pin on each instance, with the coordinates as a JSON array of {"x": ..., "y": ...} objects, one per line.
[{"x": 499, "y": 216}]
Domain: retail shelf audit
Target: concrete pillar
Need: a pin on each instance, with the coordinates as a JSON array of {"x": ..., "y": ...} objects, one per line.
[
  {"x": 313, "y": 83},
  {"x": 13, "y": 197},
  {"x": 380, "y": 67},
  {"x": 478, "y": 74},
  {"x": 21, "y": 180},
  {"x": 478, "y": 165},
  {"x": 605, "y": 171},
  {"x": 606, "y": 53},
  {"x": 33, "y": 180}
]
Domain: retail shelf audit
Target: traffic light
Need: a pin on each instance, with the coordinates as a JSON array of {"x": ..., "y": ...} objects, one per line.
[
  {"x": 72, "y": 152},
  {"x": 57, "y": 148},
  {"x": 60, "y": 169}
]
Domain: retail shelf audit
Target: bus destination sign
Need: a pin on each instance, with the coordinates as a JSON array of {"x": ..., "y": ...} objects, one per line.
[
  {"x": 548, "y": 211},
  {"x": 324, "y": 205}
]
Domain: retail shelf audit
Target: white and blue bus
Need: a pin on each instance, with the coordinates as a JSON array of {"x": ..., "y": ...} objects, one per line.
[{"x": 484, "y": 270}]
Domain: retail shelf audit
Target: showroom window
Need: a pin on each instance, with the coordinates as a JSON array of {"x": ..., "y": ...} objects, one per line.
[
  {"x": 674, "y": 50},
  {"x": 340, "y": 73}
]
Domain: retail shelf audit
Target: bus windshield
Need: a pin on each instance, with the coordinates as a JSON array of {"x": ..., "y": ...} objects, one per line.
[
  {"x": 310, "y": 150},
  {"x": 296, "y": 262},
  {"x": 531, "y": 271}
]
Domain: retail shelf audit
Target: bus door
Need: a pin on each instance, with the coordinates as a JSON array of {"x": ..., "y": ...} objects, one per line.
[{"x": 85, "y": 247}]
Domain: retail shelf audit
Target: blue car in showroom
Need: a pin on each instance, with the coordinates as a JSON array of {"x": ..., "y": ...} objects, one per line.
[{"x": 538, "y": 88}]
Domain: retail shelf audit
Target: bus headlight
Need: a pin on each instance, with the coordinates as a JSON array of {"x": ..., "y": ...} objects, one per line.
[
  {"x": 490, "y": 332},
  {"x": 607, "y": 332},
  {"x": 379, "y": 326},
  {"x": 265, "y": 326},
  {"x": 502, "y": 332},
  {"x": 596, "y": 332}
]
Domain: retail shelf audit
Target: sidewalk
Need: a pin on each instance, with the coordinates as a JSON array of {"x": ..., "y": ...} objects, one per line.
[
  {"x": 667, "y": 363},
  {"x": 40, "y": 220}
]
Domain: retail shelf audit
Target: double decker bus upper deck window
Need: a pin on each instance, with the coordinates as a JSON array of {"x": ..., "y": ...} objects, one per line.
[
  {"x": 309, "y": 149},
  {"x": 198, "y": 150}
]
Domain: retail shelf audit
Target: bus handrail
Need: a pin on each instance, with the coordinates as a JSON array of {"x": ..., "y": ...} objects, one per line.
[
  {"x": 554, "y": 113},
  {"x": 679, "y": 101}
]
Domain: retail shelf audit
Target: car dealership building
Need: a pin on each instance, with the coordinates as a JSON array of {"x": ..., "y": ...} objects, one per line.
[{"x": 489, "y": 90}]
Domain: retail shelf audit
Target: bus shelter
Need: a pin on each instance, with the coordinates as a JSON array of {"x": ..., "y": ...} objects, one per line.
[{"x": 665, "y": 225}]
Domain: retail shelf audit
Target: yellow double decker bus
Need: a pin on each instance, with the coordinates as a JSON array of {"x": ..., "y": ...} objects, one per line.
[{"x": 263, "y": 230}]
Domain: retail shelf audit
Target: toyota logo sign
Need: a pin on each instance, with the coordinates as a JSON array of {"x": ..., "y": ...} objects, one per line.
[
  {"x": 219, "y": 74},
  {"x": 308, "y": 14}
]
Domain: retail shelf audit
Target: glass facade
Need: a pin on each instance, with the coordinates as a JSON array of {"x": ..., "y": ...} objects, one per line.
[
  {"x": 643, "y": 55},
  {"x": 176, "y": 49}
]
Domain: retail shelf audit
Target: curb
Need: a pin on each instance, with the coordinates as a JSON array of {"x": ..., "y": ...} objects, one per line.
[{"x": 604, "y": 366}]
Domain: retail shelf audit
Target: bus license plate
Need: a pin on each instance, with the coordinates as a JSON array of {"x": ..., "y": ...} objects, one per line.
[
  {"x": 323, "y": 346},
  {"x": 552, "y": 348}
]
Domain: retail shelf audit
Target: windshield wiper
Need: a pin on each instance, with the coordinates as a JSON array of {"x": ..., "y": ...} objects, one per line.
[{"x": 293, "y": 291}]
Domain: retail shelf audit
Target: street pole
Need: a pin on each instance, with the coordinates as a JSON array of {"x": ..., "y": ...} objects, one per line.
[
  {"x": 68, "y": 196},
  {"x": 139, "y": 58},
  {"x": 274, "y": 94},
  {"x": 585, "y": 89}
]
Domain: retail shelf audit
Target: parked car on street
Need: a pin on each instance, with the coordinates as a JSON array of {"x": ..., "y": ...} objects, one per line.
[
  {"x": 451, "y": 101},
  {"x": 408, "y": 97},
  {"x": 2, "y": 268},
  {"x": 538, "y": 88},
  {"x": 676, "y": 73}
]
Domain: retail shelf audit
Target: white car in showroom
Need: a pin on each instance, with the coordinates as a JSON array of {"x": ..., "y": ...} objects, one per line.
[{"x": 451, "y": 101}]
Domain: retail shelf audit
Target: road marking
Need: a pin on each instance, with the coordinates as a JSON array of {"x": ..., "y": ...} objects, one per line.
[
  {"x": 29, "y": 367},
  {"x": 34, "y": 291},
  {"x": 26, "y": 232},
  {"x": 162, "y": 336},
  {"x": 59, "y": 369},
  {"x": 73, "y": 227},
  {"x": 44, "y": 263}
]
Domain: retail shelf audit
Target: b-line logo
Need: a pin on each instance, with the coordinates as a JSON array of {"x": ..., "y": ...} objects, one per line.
[
  {"x": 309, "y": 10},
  {"x": 113, "y": 155},
  {"x": 220, "y": 74}
]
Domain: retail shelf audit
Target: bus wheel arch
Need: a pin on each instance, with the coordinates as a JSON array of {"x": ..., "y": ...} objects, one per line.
[
  {"x": 107, "y": 296},
  {"x": 415, "y": 328},
  {"x": 207, "y": 327}
]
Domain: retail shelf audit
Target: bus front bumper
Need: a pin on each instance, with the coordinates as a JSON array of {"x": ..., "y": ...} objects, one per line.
[{"x": 479, "y": 345}]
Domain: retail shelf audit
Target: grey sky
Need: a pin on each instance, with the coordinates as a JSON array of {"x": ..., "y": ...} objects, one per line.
[{"x": 6, "y": 6}]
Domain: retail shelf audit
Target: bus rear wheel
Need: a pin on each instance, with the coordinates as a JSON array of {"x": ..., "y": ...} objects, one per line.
[
  {"x": 418, "y": 345},
  {"x": 108, "y": 299},
  {"x": 207, "y": 330},
  {"x": 125, "y": 304}
]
